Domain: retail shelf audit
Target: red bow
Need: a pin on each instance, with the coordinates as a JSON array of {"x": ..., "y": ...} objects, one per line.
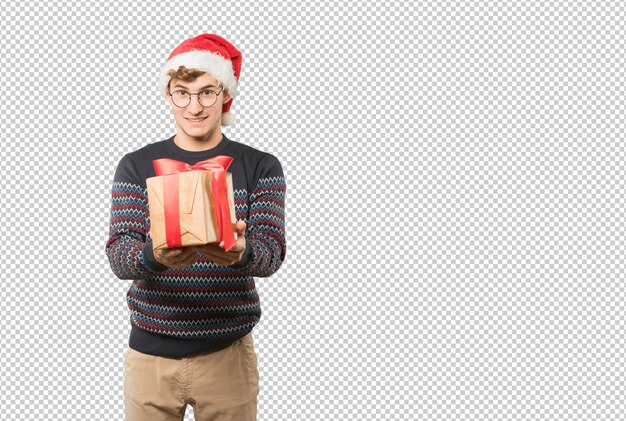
[{"x": 217, "y": 166}]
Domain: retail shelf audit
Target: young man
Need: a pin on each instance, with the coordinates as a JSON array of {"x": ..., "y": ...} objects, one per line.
[{"x": 192, "y": 309}]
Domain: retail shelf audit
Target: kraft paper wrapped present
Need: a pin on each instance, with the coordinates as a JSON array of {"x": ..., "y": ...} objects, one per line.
[{"x": 191, "y": 204}]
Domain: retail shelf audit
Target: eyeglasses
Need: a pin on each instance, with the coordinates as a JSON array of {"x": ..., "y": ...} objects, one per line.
[{"x": 206, "y": 98}]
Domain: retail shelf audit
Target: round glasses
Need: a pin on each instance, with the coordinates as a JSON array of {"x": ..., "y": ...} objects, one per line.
[{"x": 206, "y": 98}]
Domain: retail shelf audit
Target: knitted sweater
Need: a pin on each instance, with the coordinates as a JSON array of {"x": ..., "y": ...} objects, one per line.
[{"x": 175, "y": 313}]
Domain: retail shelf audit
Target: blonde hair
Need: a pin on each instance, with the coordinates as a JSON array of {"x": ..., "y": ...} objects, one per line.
[{"x": 187, "y": 75}]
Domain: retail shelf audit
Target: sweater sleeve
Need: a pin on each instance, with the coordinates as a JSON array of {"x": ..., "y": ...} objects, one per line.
[
  {"x": 265, "y": 227},
  {"x": 130, "y": 253}
]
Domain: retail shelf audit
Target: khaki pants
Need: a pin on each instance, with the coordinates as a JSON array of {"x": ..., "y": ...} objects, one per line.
[{"x": 220, "y": 385}]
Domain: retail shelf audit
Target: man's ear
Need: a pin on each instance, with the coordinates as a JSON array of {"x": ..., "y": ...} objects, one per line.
[
  {"x": 168, "y": 97},
  {"x": 227, "y": 98}
]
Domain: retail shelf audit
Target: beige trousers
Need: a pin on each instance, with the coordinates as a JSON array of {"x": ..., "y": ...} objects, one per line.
[{"x": 221, "y": 385}]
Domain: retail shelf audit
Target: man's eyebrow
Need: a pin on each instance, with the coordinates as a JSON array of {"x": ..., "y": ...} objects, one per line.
[{"x": 204, "y": 87}]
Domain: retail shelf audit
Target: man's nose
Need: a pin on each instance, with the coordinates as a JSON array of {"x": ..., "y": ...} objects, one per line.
[{"x": 195, "y": 106}]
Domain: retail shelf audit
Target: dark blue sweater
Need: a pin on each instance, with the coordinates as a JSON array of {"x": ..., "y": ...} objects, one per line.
[{"x": 176, "y": 313}]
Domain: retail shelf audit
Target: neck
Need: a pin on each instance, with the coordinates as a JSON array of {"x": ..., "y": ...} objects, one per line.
[{"x": 196, "y": 144}]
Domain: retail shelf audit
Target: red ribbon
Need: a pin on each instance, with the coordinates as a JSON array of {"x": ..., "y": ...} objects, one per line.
[{"x": 217, "y": 166}]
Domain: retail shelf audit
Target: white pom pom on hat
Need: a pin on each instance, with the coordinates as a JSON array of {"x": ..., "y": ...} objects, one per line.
[{"x": 212, "y": 54}]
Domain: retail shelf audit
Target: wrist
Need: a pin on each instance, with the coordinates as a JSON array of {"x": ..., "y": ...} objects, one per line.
[
  {"x": 151, "y": 260},
  {"x": 245, "y": 258}
]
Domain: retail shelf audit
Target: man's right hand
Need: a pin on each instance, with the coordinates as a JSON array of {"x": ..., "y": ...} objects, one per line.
[{"x": 177, "y": 258}]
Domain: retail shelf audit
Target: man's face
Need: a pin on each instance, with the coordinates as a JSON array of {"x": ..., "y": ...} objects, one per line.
[{"x": 195, "y": 120}]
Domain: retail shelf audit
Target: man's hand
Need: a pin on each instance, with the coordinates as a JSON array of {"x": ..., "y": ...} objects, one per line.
[
  {"x": 178, "y": 258},
  {"x": 222, "y": 257}
]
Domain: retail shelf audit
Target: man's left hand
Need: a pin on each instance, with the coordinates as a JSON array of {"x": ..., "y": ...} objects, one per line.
[{"x": 222, "y": 257}]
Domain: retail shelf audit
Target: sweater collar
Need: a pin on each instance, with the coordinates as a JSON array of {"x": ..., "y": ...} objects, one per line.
[{"x": 179, "y": 152}]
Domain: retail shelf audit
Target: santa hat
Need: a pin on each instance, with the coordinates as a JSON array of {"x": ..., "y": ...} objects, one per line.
[{"x": 212, "y": 54}]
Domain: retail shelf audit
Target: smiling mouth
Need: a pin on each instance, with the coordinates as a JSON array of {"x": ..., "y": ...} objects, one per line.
[{"x": 196, "y": 120}]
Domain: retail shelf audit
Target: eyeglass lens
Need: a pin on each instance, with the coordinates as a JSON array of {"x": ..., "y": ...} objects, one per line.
[{"x": 183, "y": 98}]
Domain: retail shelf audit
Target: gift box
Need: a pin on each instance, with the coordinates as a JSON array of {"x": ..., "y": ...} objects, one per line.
[{"x": 191, "y": 205}]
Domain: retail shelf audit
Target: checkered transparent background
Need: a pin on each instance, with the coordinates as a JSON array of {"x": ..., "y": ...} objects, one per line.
[{"x": 455, "y": 203}]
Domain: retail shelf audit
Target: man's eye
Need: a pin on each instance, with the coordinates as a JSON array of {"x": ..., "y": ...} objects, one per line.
[
  {"x": 181, "y": 93},
  {"x": 207, "y": 92}
]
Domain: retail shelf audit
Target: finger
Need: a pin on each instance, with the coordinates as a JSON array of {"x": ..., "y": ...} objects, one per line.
[
  {"x": 172, "y": 252},
  {"x": 223, "y": 248},
  {"x": 193, "y": 257},
  {"x": 215, "y": 256},
  {"x": 241, "y": 227},
  {"x": 189, "y": 259},
  {"x": 221, "y": 263},
  {"x": 219, "y": 259},
  {"x": 191, "y": 251},
  {"x": 210, "y": 248},
  {"x": 219, "y": 251}
]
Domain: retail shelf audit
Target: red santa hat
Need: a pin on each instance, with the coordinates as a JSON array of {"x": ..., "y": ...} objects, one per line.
[{"x": 212, "y": 54}]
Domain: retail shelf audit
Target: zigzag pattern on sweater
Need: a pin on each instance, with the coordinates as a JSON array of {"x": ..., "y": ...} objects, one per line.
[
  {"x": 191, "y": 333},
  {"x": 214, "y": 327},
  {"x": 195, "y": 282},
  {"x": 193, "y": 310},
  {"x": 191, "y": 297},
  {"x": 203, "y": 300},
  {"x": 164, "y": 313}
]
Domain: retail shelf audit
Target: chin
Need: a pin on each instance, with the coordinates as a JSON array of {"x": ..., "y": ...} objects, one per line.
[{"x": 199, "y": 134}]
